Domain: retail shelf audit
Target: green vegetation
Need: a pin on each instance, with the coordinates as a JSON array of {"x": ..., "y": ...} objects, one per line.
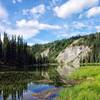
[
  {"x": 91, "y": 40},
  {"x": 87, "y": 85},
  {"x": 59, "y": 45},
  {"x": 15, "y": 54},
  {"x": 54, "y": 48}
]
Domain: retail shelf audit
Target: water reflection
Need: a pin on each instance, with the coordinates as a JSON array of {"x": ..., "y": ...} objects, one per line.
[{"x": 21, "y": 86}]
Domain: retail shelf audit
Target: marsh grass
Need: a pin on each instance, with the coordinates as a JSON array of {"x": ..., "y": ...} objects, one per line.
[{"x": 87, "y": 89}]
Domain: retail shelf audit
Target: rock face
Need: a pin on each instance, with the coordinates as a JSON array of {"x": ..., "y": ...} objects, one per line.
[
  {"x": 69, "y": 59},
  {"x": 45, "y": 53}
]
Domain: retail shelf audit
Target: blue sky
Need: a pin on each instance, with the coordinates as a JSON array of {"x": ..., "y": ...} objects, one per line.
[{"x": 42, "y": 21}]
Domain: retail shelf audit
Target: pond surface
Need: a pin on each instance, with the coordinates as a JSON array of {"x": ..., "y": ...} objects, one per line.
[{"x": 21, "y": 86}]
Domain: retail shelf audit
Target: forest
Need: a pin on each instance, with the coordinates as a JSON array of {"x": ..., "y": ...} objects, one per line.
[{"x": 16, "y": 54}]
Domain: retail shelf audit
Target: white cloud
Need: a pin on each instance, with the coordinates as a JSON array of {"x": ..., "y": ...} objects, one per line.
[
  {"x": 3, "y": 12},
  {"x": 73, "y": 7},
  {"x": 26, "y": 33},
  {"x": 35, "y": 24},
  {"x": 38, "y": 10},
  {"x": 2, "y": 37},
  {"x": 93, "y": 12},
  {"x": 27, "y": 28},
  {"x": 97, "y": 28},
  {"x": 15, "y": 1},
  {"x": 25, "y": 23}
]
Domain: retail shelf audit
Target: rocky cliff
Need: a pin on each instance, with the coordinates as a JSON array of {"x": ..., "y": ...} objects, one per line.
[
  {"x": 69, "y": 59},
  {"x": 45, "y": 52}
]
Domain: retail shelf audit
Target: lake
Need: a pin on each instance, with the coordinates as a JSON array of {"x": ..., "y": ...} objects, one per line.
[{"x": 23, "y": 86}]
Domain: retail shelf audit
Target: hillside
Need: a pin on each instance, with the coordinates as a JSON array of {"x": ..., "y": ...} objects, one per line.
[
  {"x": 54, "y": 47},
  {"x": 92, "y": 41}
]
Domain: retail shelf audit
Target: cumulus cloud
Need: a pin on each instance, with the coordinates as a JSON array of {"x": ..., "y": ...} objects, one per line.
[
  {"x": 15, "y": 1},
  {"x": 28, "y": 28},
  {"x": 38, "y": 10},
  {"x": 26, "y": 33},
  {"x": 73, "y": 7},
  {"x": 93, "y": 12},
  {"x": 3, "y": 12},
  {"x": 35, "y": 24}
]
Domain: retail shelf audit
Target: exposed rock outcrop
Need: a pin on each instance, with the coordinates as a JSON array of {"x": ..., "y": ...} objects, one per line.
[
  {"x": 69, "y": 59},
  {"x": 45, "y": 53}
]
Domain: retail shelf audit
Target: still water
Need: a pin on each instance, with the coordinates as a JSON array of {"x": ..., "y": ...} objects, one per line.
[{"x": 22, "y": 86}]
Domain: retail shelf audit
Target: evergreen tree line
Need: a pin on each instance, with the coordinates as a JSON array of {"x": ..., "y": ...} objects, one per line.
[
  {"x": 15, "y": 53},
  {"x": 93, "y": 41}
]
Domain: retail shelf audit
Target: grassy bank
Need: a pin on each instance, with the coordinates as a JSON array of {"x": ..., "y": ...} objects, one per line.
[{"x": 87, "y": 87}]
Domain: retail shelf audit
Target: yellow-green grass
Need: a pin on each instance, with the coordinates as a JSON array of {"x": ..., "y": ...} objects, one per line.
[{"x": 88, "y": 87}]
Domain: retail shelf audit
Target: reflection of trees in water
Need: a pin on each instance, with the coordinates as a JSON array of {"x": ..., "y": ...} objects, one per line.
[
  {"x": 15, "y": 83},
  {"x": 13, "y": 89}
]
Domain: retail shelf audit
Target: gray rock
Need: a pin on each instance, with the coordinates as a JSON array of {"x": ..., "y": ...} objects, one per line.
[{"x": 69, "y": 59}]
